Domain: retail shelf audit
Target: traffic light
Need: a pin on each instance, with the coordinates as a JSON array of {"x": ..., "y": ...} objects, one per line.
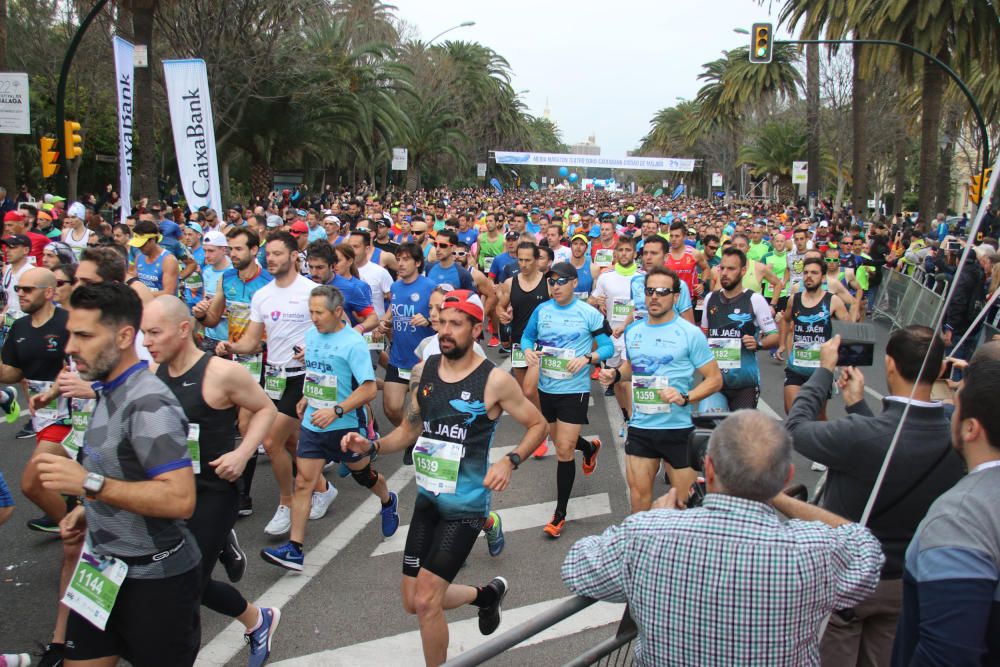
[
  {"x": 71, "y": 130},
  {"x": 50, "y": 157},
  {"x": 761, "y": 43},
  {"x": 977, "y": 185}
]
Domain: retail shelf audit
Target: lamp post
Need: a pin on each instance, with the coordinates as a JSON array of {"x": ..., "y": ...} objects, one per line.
[{"x": 463, "y": 24}]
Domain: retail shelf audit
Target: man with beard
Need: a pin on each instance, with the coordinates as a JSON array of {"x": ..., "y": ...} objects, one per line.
[
  {"x": 139, "y": 487},
  {"x": 734, "y": 318},
  {"x": 211, "y": 391},
  {"x": 458, "y": 397}
]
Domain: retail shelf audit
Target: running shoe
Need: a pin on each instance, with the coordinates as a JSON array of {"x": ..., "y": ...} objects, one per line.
[
  {"x": 503, "y": 351},
  {"x": 596, "y": 373},
  {"x": 609, "y": 390},
  {"x": 246, "y": 505},
  {"x": 494, "y": 536},
  {"x": 542, "y": 450},
  {"x": 15, "y": 660},
  {"x": 328, "y": 466},
  {"x": 52, "y": 655},
  {"x": 390, "y": 516},
  {"x": 320, "y": 502},
  {"x": 9, "y": 405},
  {"x": 233, "y": 558},
  {"x": 287, "y": 556},
  {"x": 589, "y": 465},
  {"x": 43, "y": 524},
  {"x": 494, "y": 342},
  {"x": 260, "y": 639},
  {"x": 281, "y": 522},
  {"x": 554, "y": 528},
  {"x": 489, "y": 617},
  {"x": 27, "y": 432},
  {"x": 343, "y": 470}
]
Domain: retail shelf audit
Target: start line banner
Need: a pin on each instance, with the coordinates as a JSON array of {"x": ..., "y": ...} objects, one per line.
[{"x": 607, "y": 162}]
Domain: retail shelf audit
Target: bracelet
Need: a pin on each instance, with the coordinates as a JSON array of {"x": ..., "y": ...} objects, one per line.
[{"x": 131, "y": 280}]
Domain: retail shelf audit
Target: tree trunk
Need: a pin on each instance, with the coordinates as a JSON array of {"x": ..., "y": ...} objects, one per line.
[
  {"x": 930, "y": 128},
  {"x": 261, "y": 176},
  {"x": 900, "y": 184},
  {"x": 142, "y": 29},
  {"x": 952, "y": 126},
  {"x": 72, "y": 176},
  {"x": 7, "y": 156},
  {"x": 815, "y": 178},
  {"x": 859, "y": 153}
]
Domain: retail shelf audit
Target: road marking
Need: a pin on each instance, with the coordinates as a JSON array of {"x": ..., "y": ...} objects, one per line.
[
  {"x": 229, "y": 642},
  {"x": 405, "y": 649},
  {"x": 768, "y": 410},
  {"x": 617, "y": 423},
  {"x": 518, "y": 518}
]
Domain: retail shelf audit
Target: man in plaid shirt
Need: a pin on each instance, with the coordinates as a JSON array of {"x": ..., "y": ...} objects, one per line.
[{"x": 728, "y": 583}]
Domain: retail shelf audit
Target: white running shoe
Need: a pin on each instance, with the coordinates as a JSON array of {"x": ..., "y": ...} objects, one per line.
[
  {"x": 281, "y": 522},
  {"x": 320, "y": 502}
]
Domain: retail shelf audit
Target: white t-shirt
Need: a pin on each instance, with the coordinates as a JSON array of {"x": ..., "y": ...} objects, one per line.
[
  {"x": 612, "y": 284},
  {"x": 284, "y": 311},
  {"x": 562, "y": 254},
  {"x": 11, "y": 278},
  {"x": 379, "y": 281}
]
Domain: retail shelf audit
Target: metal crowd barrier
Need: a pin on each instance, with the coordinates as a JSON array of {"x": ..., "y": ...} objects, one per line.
[
  {"x": 989, "y": 331},
  {"x": 617, "y": 648},
  {"x": 903, "y": 300}
]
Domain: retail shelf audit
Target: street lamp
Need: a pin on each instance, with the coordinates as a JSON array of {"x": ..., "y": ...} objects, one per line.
[
  {"x": 741, "y": 31},
  {"x": 463, "y": 24}
]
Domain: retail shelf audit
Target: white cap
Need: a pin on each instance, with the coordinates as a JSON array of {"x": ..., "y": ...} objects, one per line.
[
  {"x": 77, "y": 210},
  {"x": 215, "y": 238},
  {"x": 824, "y": 223},
  {"x": 274, "y": 221}
]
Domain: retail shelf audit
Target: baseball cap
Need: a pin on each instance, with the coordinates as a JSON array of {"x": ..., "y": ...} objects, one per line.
[
  {"x": 16, "y": 239},
  {"x": 824, "y": 223},
  {"x": 298, "y": 228},
  {"x": 563, "y": 270},
  {"x": 510, "y": 236},
  {"x": 139, "y": 240},
  {"x": 77, "y": 210},
  {"x": 196, "y": 227},
  {"x": 274, "y": 221},
  {"x": 330, "y": 218},
  {"x": 466, "y": 301},
  {"x": 579, "y": 237},
  {"x": 13, "y": 216},
  {"x": 215, "y": 238}
]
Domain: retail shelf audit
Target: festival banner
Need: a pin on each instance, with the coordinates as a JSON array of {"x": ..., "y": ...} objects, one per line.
[
  {"x": 125, "y": 83},
  {"x": 608, "y": 162},
  {"x": 194, "y": 133}
]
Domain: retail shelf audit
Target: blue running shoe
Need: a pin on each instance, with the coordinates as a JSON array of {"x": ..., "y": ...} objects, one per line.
[
  {"x": 390, "y": 516},
  {"x": 260, "y": 639},
  {"x": 343, "y": 470},
  {"x": 287, "y": 556},
  {"x": 494, "y": 536}
]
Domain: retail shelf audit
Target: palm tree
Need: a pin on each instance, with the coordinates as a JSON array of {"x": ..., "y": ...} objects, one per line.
[
  {"x": 369, "y": 21},
  {"x": 775, "y": 146}
]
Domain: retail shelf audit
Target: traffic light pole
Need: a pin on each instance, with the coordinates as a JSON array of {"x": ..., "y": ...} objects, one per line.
[
  {"x": 61, "y": 89},
  {"x": 985, "y": 137}
]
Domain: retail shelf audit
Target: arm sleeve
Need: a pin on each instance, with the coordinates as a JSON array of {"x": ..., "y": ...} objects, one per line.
[
  {"x": 594, "y": 566},
  {"x": 829, "y": 443},
  {"x": 530, "y": 334},
  {"x": 158, "y": 433},
  {"x": 605, "y": 348}
]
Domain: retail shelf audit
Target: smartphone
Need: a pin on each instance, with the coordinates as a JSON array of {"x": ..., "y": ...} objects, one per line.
[
  {"x": 856, "y": 354},
  {"x": 954, "y": 246}
]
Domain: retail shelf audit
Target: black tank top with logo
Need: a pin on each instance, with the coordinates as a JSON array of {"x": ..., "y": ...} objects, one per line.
[
  {"x": 524, "y": 304},
  {"x": 811, "y": 327},
  {"x": 216, "y": 428}
]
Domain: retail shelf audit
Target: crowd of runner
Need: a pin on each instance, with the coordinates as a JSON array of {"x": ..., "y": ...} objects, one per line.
[{"x": 161, "y": 355}]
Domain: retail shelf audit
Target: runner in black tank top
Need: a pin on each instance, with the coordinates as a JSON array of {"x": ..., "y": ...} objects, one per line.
[{"x": 524, "y": 303}]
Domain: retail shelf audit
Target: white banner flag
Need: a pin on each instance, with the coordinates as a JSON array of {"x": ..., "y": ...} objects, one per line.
[
  {"x": 573, "y": 160},
  {"x": 399, "y": 159},
  {"x": 194, "y": 133},
  {"x": 125, "y": 83},
  {"x": 800, "y": 172}
]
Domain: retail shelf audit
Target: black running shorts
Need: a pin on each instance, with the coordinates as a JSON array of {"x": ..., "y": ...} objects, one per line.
[{"x": 436, "y": 544}]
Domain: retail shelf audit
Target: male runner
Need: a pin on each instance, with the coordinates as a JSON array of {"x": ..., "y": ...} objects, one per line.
[
  {"x": 281, "y": 309},
  {"x": 156, "y": 268},
  {"x": 566, "y": 329},
  {"x": 17, "y": 246},
  {"x": 216, "y": 264},
  {"x": 210, "y": 391},
  {"x": 733, "y": 319},
  {"x": 689, "y": 264},
  {"x": 490, "y": 244},
  {"x": 446, "y": 271},
  {"x": 139, "y": 488},
  {"x": 841, "y": 282},
  {"x": 778, "y": 261},
  {"x": 339, "y": 384},
  {"x": 602, "y": 249},
  {"x": 586, "y": 271},
  {"x": 457, "y": 398},
  {"x": 663, "y": 352}
]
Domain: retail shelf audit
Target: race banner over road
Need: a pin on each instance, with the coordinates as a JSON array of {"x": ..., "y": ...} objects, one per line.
[
  {"x": 124, "y": 82},
  {"x": 194, "y": 133},
  {"x": 607, "y": 162}
]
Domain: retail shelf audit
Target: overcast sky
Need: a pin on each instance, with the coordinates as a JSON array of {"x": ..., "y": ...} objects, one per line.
[{"x": 605, "y": 67}]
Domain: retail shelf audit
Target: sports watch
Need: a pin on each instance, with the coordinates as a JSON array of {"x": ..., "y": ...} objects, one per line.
[
  {"x": 515, "y": 459},
  {"x": 93, "y": 484},
  {"x": 339, "y": 411}
]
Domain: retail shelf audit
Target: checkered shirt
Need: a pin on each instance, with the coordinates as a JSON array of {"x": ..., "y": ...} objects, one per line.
[{"x": 727, "y": 583}]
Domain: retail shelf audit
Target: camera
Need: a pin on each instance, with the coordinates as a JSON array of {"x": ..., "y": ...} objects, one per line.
[{"x": 857, "y": 343}]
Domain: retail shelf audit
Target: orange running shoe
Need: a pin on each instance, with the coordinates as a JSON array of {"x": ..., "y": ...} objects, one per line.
[
  {"x": 588, "y": 468},
  {"x": 542, "y": 450},
  {"x": 554, "y": 528}
]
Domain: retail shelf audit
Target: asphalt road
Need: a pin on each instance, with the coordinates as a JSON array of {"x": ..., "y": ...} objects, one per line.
[{"x": 344, "y": 609}]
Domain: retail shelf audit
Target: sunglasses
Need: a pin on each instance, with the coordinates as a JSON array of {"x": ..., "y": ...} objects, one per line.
[
  {"x": 416, "y": 233},
  {"x": 832, "y": 260},
  {"x": 712, "y": 247},
  {"x": 363, "y": 229},
  {"x": 660, "y": 291},
  {"x": 27, "y": 289},
  {"x": 442, "y": 245},
  {"x": 63, "y": 283},
  {"x": 559, "y": 281},
  {"x": 460, "y": 253}
]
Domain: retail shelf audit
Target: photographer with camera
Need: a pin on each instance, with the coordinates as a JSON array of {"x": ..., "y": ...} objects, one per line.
[{"x": 853, "y": 448}]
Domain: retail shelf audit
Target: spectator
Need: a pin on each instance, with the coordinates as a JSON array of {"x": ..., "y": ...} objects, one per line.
[
  {"x": 968, "y": 299},
  {"x": 5, "y": 202},
  {"x": 728, "y": 583},
  {"x": 952, "y": 573},
  {"x": 853, "y": 449}
]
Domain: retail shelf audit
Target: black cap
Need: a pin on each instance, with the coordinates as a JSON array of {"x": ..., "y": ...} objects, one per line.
[
  {"x": 510, "y": 236},
  {"x": 563, "y": 270},
  {"x": 16, "y": 240}
]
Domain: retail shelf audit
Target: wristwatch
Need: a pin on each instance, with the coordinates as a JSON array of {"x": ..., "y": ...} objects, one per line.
[
  {"x": 515, "y": 459},
  {"x": 339, "y": 411},
  {"x": 93, "y": 484},
  {"x": 686, "y": 399}
]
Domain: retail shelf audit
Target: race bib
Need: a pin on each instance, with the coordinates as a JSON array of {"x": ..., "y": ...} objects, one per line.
[
  {"x": 194, "y": 446},
  {"x": 194, "y": 282},
  {"x": 517, "y": 359},
  {"x": 94, "y": 587},
  {"x": 621, "y": 308},
  {"x": 805, "y": 355},
  {"x": 404, "y": 373},
  {"x": 372, "y": 343},
  {"x": 80, "y": 411},
  {"x": 254, "y": 363},
  {"x": 604, "y": 257},
  {"x": 487, "y": 264},
  {"x": 436, "y": 464},
  {"x": 320, "y": 390},
  {"x": 555, "y": 361},
  {"x": 50, "y": 411},
  {"x": 727, "y": 352},
  {"x": 275, "y": 380},
  {"x": 646, "y": 394}
]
